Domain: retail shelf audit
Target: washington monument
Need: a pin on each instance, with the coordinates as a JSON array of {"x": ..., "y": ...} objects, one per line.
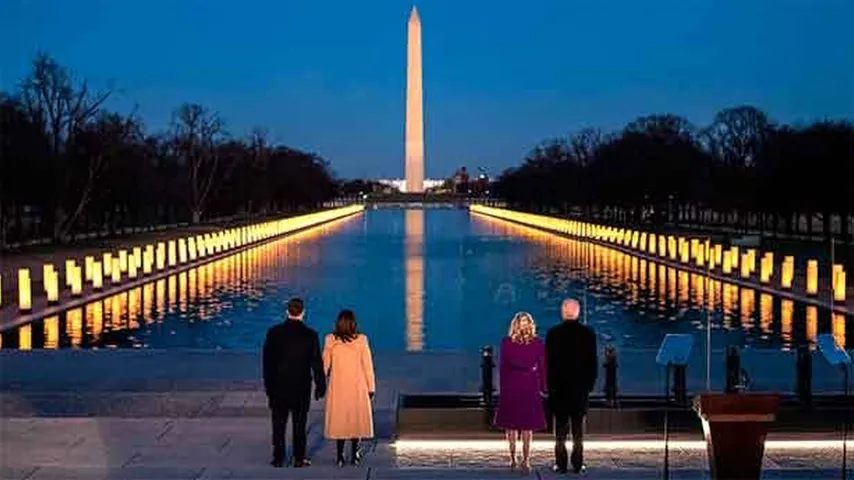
[{"x": 414, "y": 107}]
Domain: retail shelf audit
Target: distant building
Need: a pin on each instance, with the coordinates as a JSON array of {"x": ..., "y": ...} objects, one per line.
[{"x": 400, "y": 183}]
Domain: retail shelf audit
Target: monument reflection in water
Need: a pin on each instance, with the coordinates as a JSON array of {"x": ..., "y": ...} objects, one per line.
[{"x": 414, "y": 266}]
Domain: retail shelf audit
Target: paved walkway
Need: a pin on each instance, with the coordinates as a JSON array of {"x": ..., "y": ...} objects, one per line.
[
  {"x": 202, "y": 415},
  {"x": 184, "y": 448}
]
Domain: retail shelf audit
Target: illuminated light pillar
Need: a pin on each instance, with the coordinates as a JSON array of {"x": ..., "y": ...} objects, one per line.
[
  {"x": 147, "y": 260},
  {"x": 751, "y": 260},
  {"x": 766, "y": 264},
  {"x": 191, "y": 248},
  {"x": 414, "y": 146},
  {"x": 69, "y": 267},
  {"x": 25, "y": 294},
  {"x": 182, "y": 251},
  {"x": 839, "y": 286},
  {"x": 76, "y": 281},
  {"x": 97, "y": 275},
  {"x": 108, "y": 264},
  {"x": 812, "y": 277},
  {"x": 116, "y": 272},
  {"x": 701, "y": 255},
  {"x": 173, "y": 257},
  {"x": 132, "y": 269},
  {"x": 87, "y": 265},
  {"x": 726, "y": 266},
  {"x": 123, "y": 261},
  {"x": 50, "y": 280},
  {"x": 161, "y": 256},
  {"x": 787, "y": 272},
  {"x": 745, "y": 265},
  {"x": 137, "y": 254}
]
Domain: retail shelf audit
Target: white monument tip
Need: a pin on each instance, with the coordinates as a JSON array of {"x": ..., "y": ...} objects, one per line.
[{"x": 413, "y": 15}]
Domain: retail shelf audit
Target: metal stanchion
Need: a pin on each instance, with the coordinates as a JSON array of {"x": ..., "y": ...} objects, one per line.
[
  {"x": 610, "y": 366},
  {"x": 733, "y": 368},
  {"x": 487, "y": 366},
  {"x": 803, "y": 371}
]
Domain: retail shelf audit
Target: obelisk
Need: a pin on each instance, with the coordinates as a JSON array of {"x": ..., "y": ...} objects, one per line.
[{"x": 414, "y": 107}]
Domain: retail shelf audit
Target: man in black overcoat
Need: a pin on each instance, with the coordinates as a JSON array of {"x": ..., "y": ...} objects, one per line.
[
  {"x": 571, "y": 366},
  {"x": 291, "y": 359}
]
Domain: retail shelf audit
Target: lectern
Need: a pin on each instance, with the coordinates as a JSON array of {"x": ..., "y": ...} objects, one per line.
[{"x": 735, "y": 427}]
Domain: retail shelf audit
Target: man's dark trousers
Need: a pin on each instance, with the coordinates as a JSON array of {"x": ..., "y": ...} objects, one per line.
[
  {"x": 280, "y": 414},
  {"x": 566, "y": 423}
]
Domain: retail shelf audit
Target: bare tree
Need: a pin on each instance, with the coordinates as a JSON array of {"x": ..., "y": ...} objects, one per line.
[
  {"x": 53, "y": 101},
  {"x": 63, "y": 110},
  {"x": 584, "y": 143},
  {"x": 737, "y": 135},
  {"x": 196, "y": 135}
]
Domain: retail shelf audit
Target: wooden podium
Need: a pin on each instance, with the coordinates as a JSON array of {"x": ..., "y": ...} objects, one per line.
[{"x": 735, "y": 426}]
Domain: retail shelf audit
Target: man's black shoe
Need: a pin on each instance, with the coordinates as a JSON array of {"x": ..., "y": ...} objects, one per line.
[
  {"x": 558, "y": 469},
  {"x": 277, "y": 462},
  {"x": 305, "y": 462},
  {"x": 580, "y": 469}
]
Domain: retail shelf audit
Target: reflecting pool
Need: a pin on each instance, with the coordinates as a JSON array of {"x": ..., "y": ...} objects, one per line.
[{"x": 437, "y": 279}]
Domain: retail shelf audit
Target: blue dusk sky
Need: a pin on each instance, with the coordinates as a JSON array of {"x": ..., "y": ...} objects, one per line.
[{"x": 499, "y": 76}]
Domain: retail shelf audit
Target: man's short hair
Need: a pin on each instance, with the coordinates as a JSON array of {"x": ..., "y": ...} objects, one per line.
[{"x": 295, "y": 307}]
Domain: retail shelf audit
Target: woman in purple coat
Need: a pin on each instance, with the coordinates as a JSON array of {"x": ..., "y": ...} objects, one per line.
[{"x": 522, "y": 383}]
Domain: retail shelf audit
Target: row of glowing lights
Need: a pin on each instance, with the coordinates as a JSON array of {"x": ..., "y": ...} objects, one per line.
[
  {"x": 688, "y": 251},
  {"x": 149, "y": 303},
  {"x": 146, "y": 260},
  {"x": 607, "y": 263}
]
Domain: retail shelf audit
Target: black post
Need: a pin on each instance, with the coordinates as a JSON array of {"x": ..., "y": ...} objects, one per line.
[
  {"x": 611, "y": 375},
  {"x": 803, "y": 370},
  {"x": 666, "y": 423},
  {"x": 487, "y": 365},
  {"x": 680, "y": 390},
  {"x": 733, "y": 368},
  {"x": 845, "y": 425}
]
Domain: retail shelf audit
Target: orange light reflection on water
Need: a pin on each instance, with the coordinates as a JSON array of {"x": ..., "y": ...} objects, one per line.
[{"x": 198, "y": 286}]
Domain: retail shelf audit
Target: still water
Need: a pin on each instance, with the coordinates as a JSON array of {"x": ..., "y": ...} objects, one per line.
[{"x": 434, "y": 279}]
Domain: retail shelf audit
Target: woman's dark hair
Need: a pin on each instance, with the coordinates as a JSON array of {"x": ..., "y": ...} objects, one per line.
[{"x": 346, "y": 328}]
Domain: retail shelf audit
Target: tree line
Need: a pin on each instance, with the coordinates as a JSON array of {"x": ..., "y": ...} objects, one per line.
[
  {"x": 743, "y": 170},
  {"x": 68, "y": 165}
]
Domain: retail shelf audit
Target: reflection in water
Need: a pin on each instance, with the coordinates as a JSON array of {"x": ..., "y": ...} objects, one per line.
[
  {"x": 414, "y": 266},
  {"x": 675, "y": 294},
  {"x": 200, "y": 293},
  {"x": 228, "y": 303},
  {"x": 51, "y": 332}
]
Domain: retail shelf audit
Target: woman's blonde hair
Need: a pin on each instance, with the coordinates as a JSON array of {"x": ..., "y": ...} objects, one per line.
[{"x": 522, "y": 328}]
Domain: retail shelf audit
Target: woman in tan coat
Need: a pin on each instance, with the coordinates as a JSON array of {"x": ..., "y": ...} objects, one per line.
[{"x": 351, "y": 385}]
